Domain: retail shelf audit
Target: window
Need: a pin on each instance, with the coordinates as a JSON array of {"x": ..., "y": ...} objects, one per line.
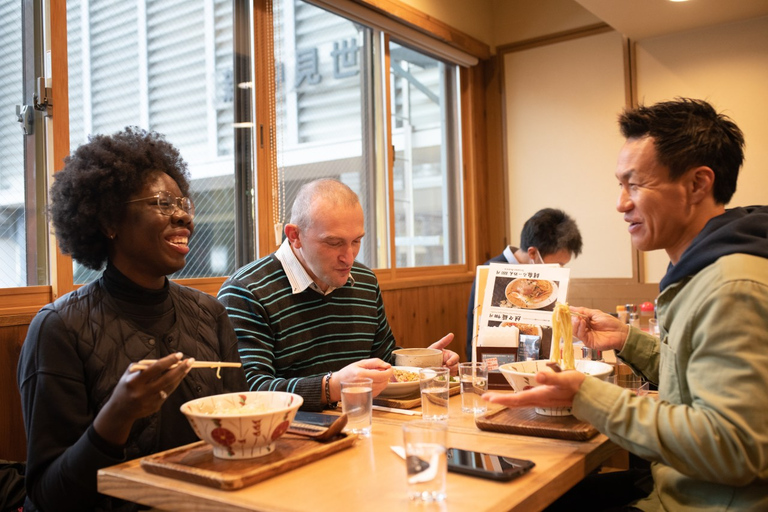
[
  {"x": 168, "y": 66},
  {"x": 357, "y": 100},
  {"x": 428, "y": 213},
  {"x": 23, "y": 233},
  {"x": 332, "y": 106}
]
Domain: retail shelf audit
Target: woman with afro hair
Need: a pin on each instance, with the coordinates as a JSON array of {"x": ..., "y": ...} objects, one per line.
[{"x": 121, "y": 203}]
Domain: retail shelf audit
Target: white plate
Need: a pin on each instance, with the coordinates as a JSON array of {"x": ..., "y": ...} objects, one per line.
[{"x": 402, "y": 389}]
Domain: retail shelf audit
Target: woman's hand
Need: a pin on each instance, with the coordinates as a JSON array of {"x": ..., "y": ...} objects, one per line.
[{"x": 139, "y": 394}]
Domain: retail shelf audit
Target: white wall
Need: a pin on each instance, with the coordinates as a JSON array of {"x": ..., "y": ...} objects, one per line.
[
  {"x": 561, "y": 104},
  {"x": 728, "y": 66}
]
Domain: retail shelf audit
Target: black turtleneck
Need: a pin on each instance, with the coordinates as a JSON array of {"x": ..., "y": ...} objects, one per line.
[{"x": 151, "y": 310}]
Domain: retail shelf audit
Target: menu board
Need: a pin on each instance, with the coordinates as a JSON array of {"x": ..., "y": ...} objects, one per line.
[{"x": 516, "y": 306}]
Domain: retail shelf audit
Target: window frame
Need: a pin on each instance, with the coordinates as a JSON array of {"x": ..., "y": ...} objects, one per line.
[
  {"x": 25, "y": 301},
  {"x": 393, "y": 277}
]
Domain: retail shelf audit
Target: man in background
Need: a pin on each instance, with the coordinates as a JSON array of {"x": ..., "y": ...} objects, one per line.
[
  {"x": 309, "y": 316},
  {"x": 549, "y": 236}
]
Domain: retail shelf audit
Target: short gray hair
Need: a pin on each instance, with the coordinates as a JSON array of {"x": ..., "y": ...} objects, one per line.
[{"x": 331, "y": 191}]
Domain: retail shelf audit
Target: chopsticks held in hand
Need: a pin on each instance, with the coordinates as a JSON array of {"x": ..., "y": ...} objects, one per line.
[{"x": 146, "y": 363}]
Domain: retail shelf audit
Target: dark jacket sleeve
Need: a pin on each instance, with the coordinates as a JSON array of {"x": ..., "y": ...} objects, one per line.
[
  {"x": 234, "y": 379},
  {"x": 62, "y": 460}
]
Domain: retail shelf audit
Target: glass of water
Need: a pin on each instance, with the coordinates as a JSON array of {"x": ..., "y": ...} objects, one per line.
[
  {"x": 425, "y": 459},
  {"x": 474, "y": 382},
  {"x": 357, "y": 404},
  {"x": 435, "y": 390}
]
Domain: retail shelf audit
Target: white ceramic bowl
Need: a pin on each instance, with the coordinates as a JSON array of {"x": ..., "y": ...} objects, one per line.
[
  {"x": 421, "y": 357},
  {"x": 402, "y": 389},
  {"x": 522, "y": 375},
  {"x": 242, "y": 425}
]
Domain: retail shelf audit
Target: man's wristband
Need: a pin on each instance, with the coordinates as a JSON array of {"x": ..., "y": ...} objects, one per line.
[{"x": 328, "y": 403}]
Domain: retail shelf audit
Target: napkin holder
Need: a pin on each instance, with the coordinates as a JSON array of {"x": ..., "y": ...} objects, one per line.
[{"x": 496, "y": 346}]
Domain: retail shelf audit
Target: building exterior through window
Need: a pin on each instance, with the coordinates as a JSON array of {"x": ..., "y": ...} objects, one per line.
[{"x": 171, "y": 66}]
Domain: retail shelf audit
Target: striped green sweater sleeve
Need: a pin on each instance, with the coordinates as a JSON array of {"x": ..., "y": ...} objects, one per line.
[{"x": 288, "y": 341}]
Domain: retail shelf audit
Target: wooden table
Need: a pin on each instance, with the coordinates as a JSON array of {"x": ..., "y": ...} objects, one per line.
[{"x": 370, "y": 477}]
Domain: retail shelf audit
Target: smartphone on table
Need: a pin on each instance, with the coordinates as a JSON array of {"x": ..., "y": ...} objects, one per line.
[
  {"x": 315, "y": 419},
  {"x": 487, "y": 465}
]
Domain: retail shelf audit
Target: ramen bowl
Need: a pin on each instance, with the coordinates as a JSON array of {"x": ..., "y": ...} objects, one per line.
[
  {"x": 522, "y": 375},
  {"x": 421, "y": 357},
  {"x": 242, "y": 425},
  {"x": 530, "y": 293}
]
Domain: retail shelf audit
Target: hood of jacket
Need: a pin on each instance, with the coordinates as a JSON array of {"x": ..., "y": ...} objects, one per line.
[{"x": 741, "y": 230}]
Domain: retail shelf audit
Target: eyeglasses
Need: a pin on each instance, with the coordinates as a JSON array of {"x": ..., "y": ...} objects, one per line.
[{"x": 168, "y": 203}]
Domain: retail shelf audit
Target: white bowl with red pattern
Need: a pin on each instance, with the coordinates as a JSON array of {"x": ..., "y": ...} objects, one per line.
[
  {"x": 242, "y": 425},
  {"x": 522, "y": 375}
]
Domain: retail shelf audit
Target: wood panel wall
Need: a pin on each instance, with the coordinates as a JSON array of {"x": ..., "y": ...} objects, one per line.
[
  {"x": 418, "y": 316},
  {"x": 13, "y": 444}
]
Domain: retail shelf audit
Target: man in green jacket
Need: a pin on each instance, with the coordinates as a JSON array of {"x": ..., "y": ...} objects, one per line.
[{"x": 707, "y": 432}]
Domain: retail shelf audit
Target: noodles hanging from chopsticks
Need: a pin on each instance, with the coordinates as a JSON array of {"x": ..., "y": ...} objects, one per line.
[{"x": 562, "y": 328}]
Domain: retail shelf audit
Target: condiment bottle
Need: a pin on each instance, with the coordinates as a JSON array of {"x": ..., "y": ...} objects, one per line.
[
  {"x": 647, "y": 311},
  {"x": 622, "y": 313},
  {"x": 591, "y": 353},
  {"x": 633, "y": 317}
]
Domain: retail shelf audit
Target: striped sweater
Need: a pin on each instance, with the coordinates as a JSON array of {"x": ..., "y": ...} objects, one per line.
[{"x": 288, "y": 342}]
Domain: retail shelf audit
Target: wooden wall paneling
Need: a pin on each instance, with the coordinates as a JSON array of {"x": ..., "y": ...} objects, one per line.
[
  {"x": 425, "y": 23},
  {"x": 493, "y": 199},
  {"x": 606, "y": 295},
  {"x": 420, "y": 316},
  {"x": 62, "y": 280},
  {"x": 13, "y": 442}
]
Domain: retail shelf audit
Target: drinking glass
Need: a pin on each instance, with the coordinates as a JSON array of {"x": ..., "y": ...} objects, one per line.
[
  {"x": 357, "y": 404},
  {"x": 435, "y": 390},
  {"x": 425, "y": 459},
  {"x": 474, "y": 382},
  {"x": 653, "y": 327}
]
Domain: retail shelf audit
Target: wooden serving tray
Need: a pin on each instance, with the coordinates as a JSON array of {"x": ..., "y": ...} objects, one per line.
[
  {"x": 195, "y": 462},
  {"x": 525, "y": 421},
  {"x": 412, "y": 400}
]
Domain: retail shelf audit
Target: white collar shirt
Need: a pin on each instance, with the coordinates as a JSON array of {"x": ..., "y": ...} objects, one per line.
[
  {"x": 297, "y": 275},
  {"x": 509, "y": 254}
]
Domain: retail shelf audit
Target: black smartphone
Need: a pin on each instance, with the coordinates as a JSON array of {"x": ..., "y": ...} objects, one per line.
[
  {"x": 315, "y": 418},
  {"x": 486, "y": 465}
]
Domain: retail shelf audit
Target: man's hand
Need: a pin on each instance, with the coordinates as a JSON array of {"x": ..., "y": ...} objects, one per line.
[
  {"x": 599, "y": 330},
  {"x": 555, "y": 390},
  {"x": 378, "y": 371},
  {"x": 450, "y": 358}
]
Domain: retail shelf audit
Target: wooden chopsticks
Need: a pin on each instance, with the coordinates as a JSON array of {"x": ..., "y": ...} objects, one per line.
[{"x": 146, "y": 363}]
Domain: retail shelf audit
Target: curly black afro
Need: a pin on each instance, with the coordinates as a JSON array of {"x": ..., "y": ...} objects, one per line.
[{"x": 89, "y": 193}]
